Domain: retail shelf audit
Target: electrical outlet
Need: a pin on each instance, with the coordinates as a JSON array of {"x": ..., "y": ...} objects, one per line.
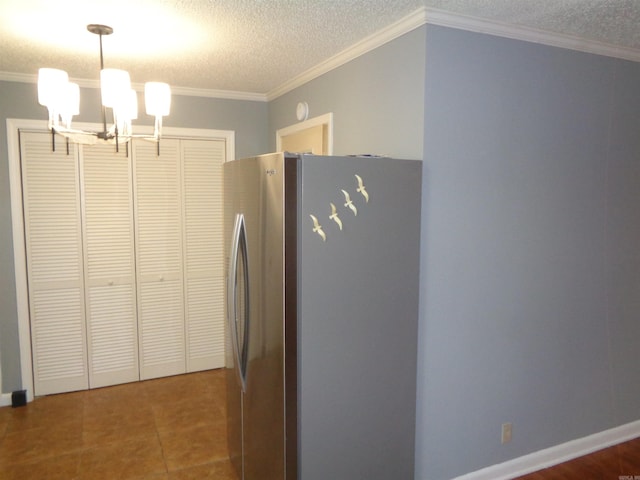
[{"x": 506, "y": 432}]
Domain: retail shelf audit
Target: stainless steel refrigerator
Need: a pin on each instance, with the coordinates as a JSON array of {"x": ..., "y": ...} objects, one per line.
[{"x": 322, "y": 316}]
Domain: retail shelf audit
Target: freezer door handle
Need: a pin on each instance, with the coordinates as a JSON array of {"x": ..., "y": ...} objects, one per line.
[{"x": 238, "y": 311}]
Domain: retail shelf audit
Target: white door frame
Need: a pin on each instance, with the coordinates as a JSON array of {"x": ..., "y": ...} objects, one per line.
[
  {"x": 17, "y": 220},
  {"x": 326, "y": 119}
]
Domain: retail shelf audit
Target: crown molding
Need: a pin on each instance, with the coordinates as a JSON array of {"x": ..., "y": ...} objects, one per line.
[
  {"x": 387, "y": 34},
  {"x": 527, "y": 34},
  {"x": 222, "y": 94},
  {"x": 184, "y": 91},
  {"x": 442, "y": 18},
  {"x": 17, "y": 77}
]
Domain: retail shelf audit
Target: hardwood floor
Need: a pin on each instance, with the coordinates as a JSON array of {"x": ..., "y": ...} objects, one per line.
[
  {"x": 619, "y": 462},
  {"x": 172, "y": 428}
]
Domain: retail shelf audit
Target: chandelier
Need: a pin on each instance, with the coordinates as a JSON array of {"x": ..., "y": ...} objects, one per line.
[{"x": 62, "y": 99}]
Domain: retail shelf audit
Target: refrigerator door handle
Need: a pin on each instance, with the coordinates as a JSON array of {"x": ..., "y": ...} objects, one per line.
[{"x": 238, "y": 291}]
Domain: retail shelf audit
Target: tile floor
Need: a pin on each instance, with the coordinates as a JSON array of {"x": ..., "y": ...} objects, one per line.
[{"x": 171, "y": 428}]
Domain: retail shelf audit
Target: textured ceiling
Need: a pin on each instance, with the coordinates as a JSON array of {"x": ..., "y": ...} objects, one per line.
[{"x": 255, "y": 45}]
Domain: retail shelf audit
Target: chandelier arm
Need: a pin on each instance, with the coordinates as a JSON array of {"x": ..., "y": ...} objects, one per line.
[{"x": 104, "y": 119}]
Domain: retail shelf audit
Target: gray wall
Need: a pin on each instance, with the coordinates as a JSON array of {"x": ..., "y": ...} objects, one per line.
[
  {"x": 376, "y": 99},
  {"x": 530, "y": 265},
  {"x": 19, "y": 100},
  {"x": 623, "y": 246},
  {"x": 530, "y": 288}
]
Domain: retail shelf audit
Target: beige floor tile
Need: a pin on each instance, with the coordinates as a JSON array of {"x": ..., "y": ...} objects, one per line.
[
  {"x": 64, "y": 467},
  {"x": 117, "y": 397},
  {"x": 187, "y": 413},
  {"x": 180, "y": 387},
  {"x": 220, "y": 389},
  {"x": 48, "y": 411},
  {"x": 153, "y": 476},
  {"x": 194, "y": 446},
  {"x": 5, "y": 417},
  {"x": 163, "y": 429},
  {"x": 103, "y": 425},
  {"x": 220, "y": 470},
  {"x": 132, "y": 459},
  {"x": 36, "y": 444},
  {"x": 219, "y": 380}
]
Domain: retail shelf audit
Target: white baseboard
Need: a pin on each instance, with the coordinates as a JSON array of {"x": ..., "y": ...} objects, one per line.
[
  {"x": 5, "y": 399},
  {"x": 555, "y": 455}
]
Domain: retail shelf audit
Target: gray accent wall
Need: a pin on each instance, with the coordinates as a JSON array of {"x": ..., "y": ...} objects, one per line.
[
  {"x": 19, "y": 100},
  {"x": 530, "y": 258},
  {"x": 623, "y": 247}
]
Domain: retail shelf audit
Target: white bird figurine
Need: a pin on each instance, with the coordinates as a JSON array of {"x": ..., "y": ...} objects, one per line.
[
  {"x": 334, "y": 216},
  {"x": 317, "y": 228},
  {"x": 361, "y": 189},
  {"x": 349, "y": 203}
]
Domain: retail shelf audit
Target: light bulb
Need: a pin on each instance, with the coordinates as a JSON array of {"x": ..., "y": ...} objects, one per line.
[
  {"x": 51, "y": 87},
  {"x": 69, "y": 103},
  {"x": 115, "y": 85},
  {"x": 157, "y": 98}
]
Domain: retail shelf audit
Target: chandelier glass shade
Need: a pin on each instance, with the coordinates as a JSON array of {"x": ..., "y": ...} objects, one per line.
[{"x": 62, "y": 99}]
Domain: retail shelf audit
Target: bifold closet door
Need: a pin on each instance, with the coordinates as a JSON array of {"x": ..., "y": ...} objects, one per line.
[
  {"x": 110, "y": 290},
  {"x": 53, "y": 234},
  {"x": 158, "y": 213},
  {"x": 124, "y": 260},
  {"x": 202, "y": 162}
]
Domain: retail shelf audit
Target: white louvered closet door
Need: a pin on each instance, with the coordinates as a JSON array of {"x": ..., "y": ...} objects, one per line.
[
  {"x": 203, "y": 253},
  {"x": 110, "y": 290},
  {"x": 158, "y": 213},
  {"x": 53, "y": 234}
]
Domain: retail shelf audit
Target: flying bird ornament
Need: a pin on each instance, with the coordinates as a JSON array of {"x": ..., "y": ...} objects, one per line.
[
  {"x": 362, "y": 188},
  {"x": 317, "y": 228},
  {"x": 334, "y": 216},
  {"x": 349, "y": 202}
]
